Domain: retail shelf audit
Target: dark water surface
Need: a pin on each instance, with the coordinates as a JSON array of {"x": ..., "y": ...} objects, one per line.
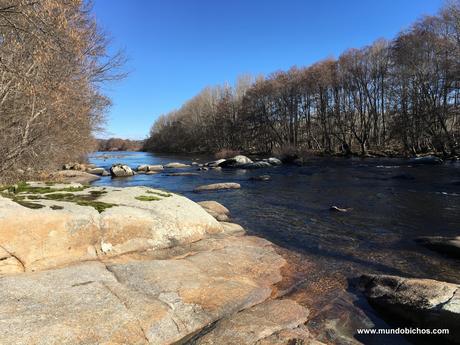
[{"x": 392, "y": 203}]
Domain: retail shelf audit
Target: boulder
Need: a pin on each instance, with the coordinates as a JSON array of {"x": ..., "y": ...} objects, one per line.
[
  {"x": 217, "y": 186},
  {"x": 149, "y": 300},
  {"x": 72, "y": 225},
  {"x": 253, "y": 325},
  {"x": 235, "y": 162},
  {"x": 425, "y": 303},
  {"x": 211, "y": 205},
  {"x": 121, "y": 170},
  {"x": 97, "y": 171},
  {"x": 176, "y": 165},
  {"x": 218, "y": 211},
  {"x": 274, "y": 161},
  {"x": 146, "y": 168},
  {"x": 426, "y": 160},
  {"x": 449, "y": 246}
]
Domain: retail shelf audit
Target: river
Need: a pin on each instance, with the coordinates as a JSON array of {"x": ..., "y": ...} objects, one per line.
[{"x": 392, "y": 203}]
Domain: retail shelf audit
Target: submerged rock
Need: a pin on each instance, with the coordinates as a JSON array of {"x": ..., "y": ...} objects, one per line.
[
  {"x": 217, "y": 186},
  {"x": 261, "y": 178},
  {"x": 403, "y": 177},
  {"x": 449, "y": 246},
  {"x": 121, "y": 170},
  {"x": 255, "y": 165},
  {"x": 183, "y": 174},
  {"x": 425, "y": 303}
]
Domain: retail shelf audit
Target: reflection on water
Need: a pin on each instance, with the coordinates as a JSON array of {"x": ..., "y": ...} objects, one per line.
[{"x": 392, "y": 203}]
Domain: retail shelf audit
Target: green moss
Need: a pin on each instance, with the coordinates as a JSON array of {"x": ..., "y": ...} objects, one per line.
[
  {"x": 163, "y": 194},
  {"x": 147, "y": 198},
  {"x": 24, "y": 187},
  {"x": 97, "y": 193},
  {"x": 98, "y": 205},
  {"x": 29, "y": 204},
  {"x": 56, "y": 194}
]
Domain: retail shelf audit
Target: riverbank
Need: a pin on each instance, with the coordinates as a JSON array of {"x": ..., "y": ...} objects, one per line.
[{"x": 324, "y": 251}]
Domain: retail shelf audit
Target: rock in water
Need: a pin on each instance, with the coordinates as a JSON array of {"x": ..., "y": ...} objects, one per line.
[
  {"x": 425, "y": 303},
  {"x": 274, "y": 161},
  {"x": 235, "y": 162},
  {"x": 449, "y": 246},
  {"x": 427, "y": 160},
  {"x": 146, "y": 168},
  {"x": 218, "y": 211},
  {"x": 121, "y": 170},
  {"x": 176, "y": 165},
  {"x": 214, "y": 163},
  {"x": 214, "y": 206},
  {"x": 217, "y": 186},
  {"x": 97, "y": 171},
  {"x": 339, "y": 209}
]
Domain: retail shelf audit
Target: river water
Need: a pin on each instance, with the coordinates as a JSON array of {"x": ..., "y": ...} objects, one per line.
[{"x": 392, "y": 204}]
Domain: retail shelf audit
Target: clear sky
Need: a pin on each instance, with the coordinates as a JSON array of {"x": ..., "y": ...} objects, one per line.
[{"x": 177, "y": 47}]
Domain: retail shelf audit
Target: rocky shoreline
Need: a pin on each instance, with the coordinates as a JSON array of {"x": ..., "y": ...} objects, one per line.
[{"x": 136, "y": 265}]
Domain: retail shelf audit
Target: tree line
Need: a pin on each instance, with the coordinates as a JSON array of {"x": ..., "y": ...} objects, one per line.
[
  {"x": 118, "y": 144},
  {"x": 53, "y": 61},
  {"x": 392, "y": 97}
]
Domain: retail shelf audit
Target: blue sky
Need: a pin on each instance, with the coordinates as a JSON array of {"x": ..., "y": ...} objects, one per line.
[{"x": 177, "y": 47}]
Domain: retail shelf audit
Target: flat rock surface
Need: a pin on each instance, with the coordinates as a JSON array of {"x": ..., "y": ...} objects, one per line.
[
  {"x": 253, "y": 325},
  {"x": 155, "y": 301}
]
